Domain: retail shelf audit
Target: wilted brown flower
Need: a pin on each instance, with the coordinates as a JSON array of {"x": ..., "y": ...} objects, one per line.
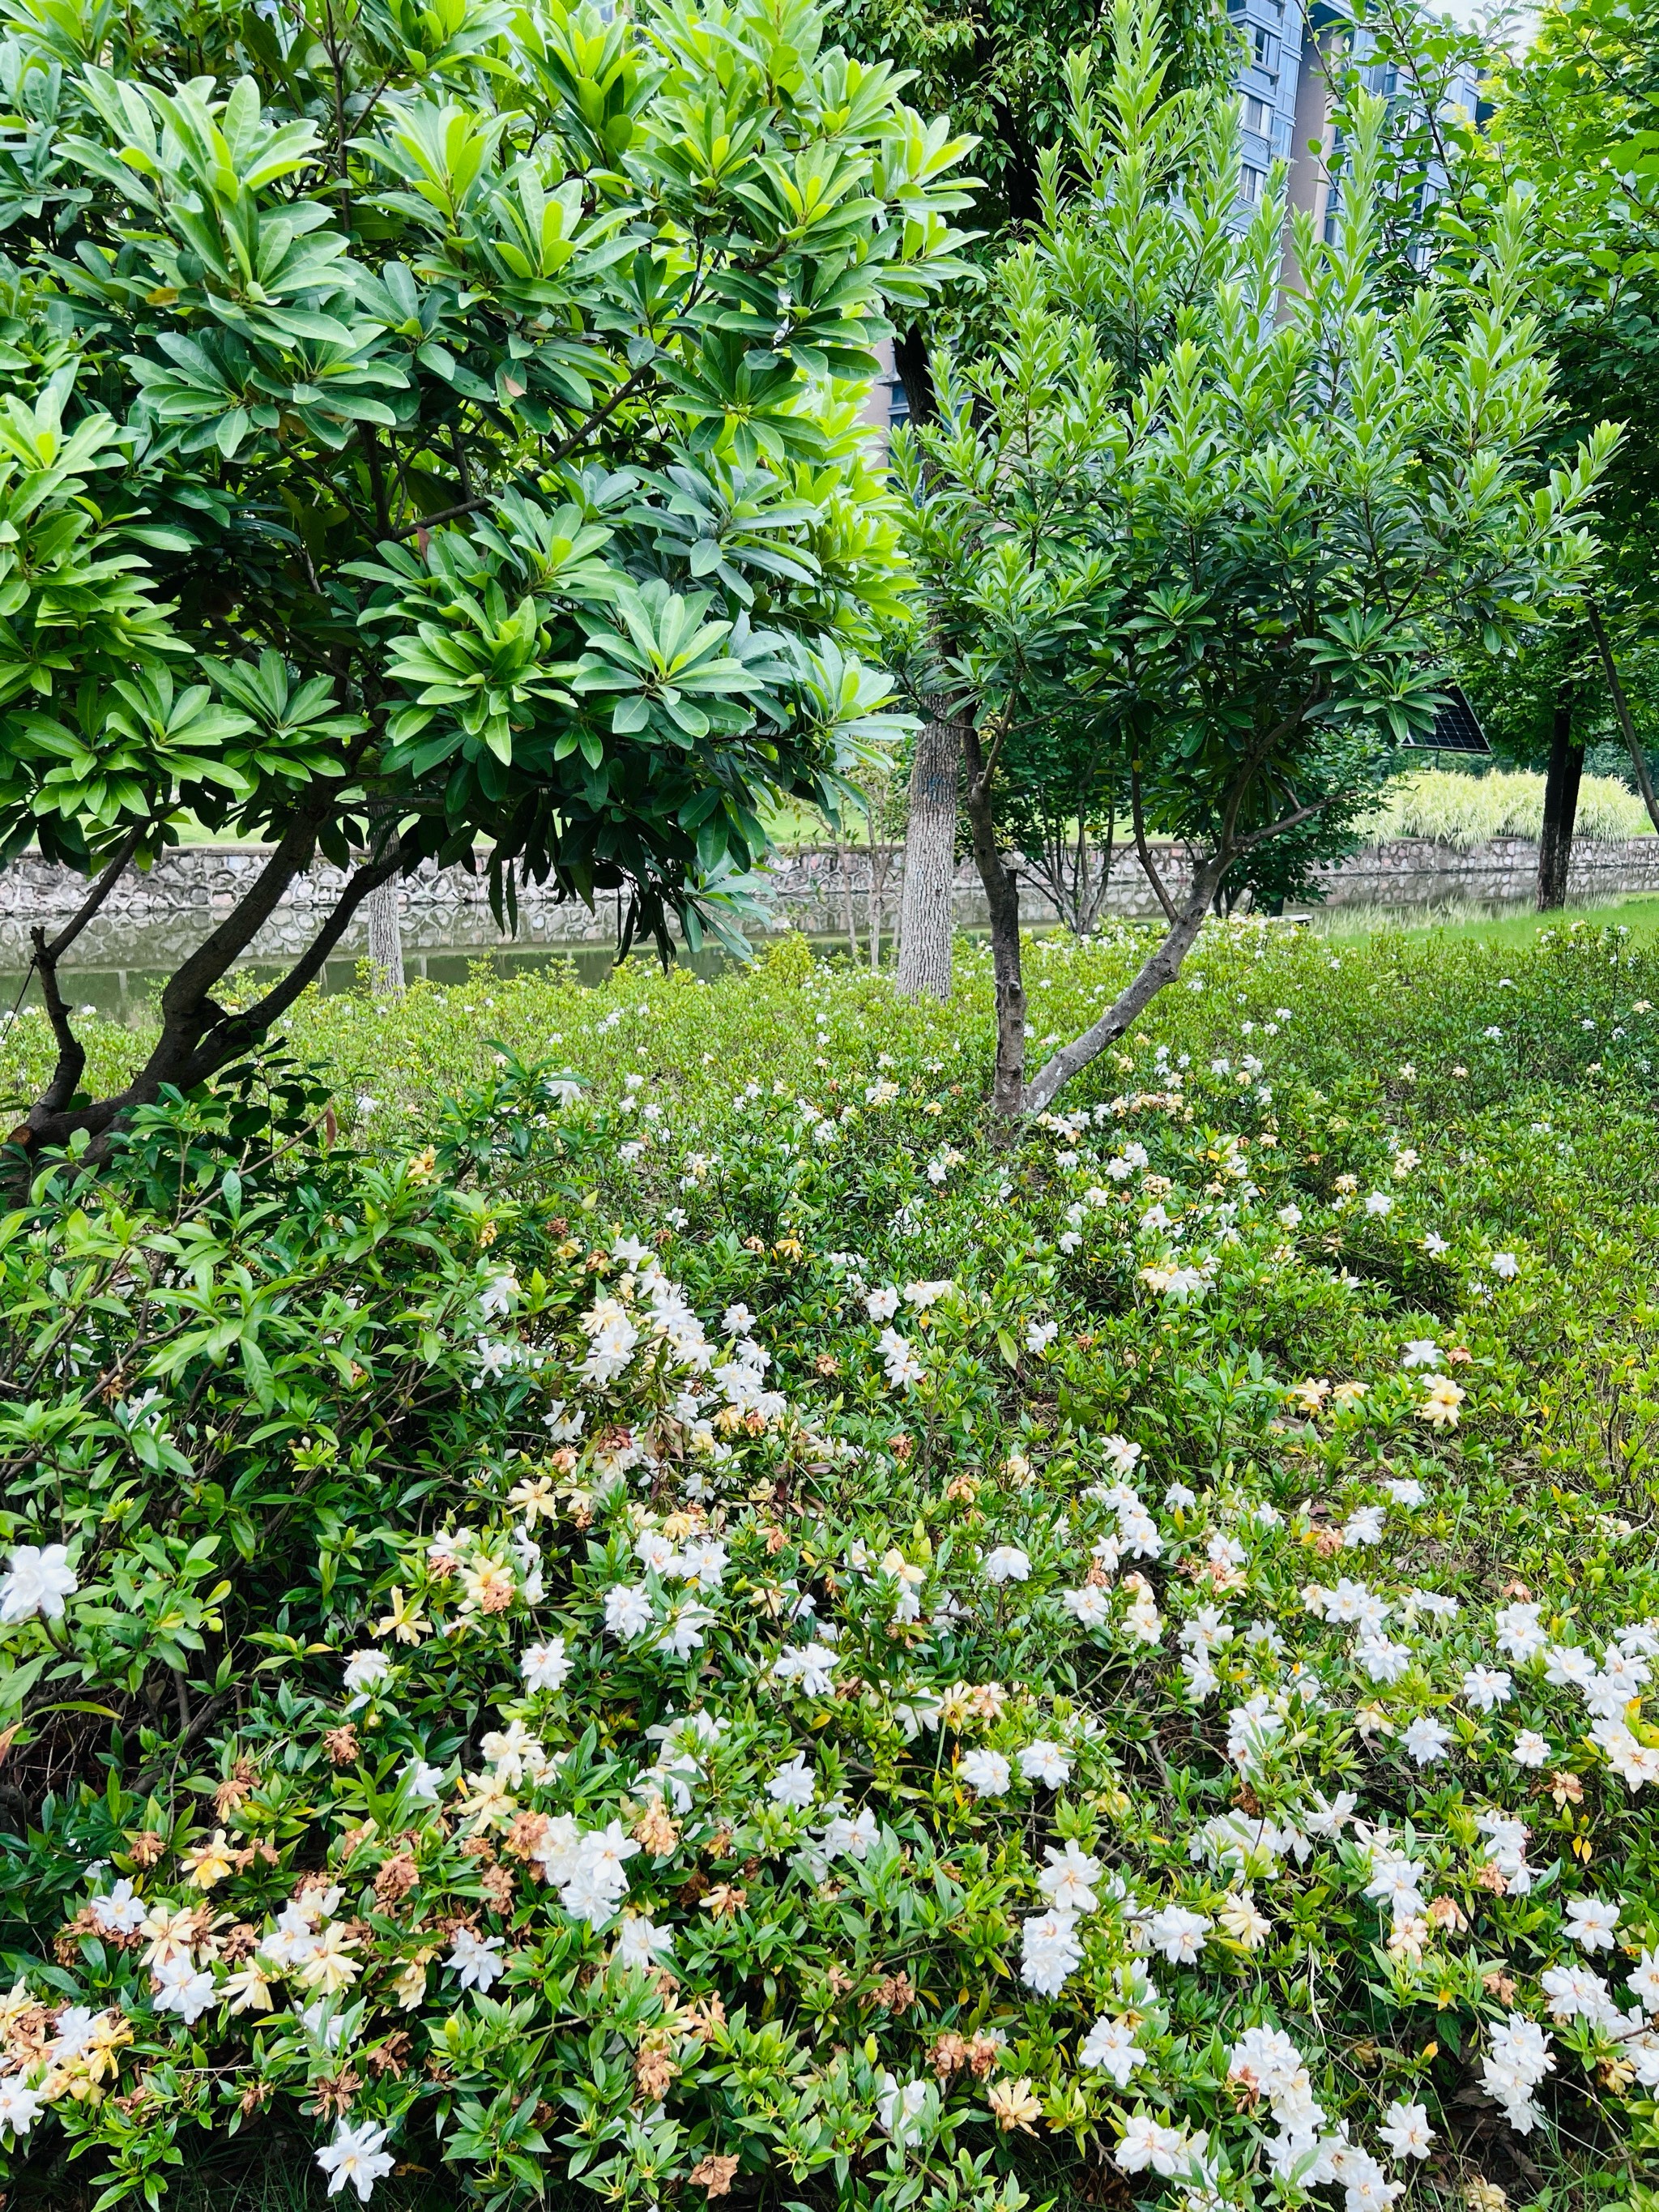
[
  {"x": 655, "y": 1830},
  {"x": 715, "y": 2174},
  {"x": 332, "y": 2095},
  {"x": 341, "y": 1744},
  {"x": 396, "y": 1877}
]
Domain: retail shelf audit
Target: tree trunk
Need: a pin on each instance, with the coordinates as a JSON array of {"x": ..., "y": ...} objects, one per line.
[
  {"x": 386, "y": 940},
  {"x": 910, "y": 359},
  {"x": 930, "y": 859},
  {"x": 1002, "y": 899},
  {"x": 1561, "y": 807}
]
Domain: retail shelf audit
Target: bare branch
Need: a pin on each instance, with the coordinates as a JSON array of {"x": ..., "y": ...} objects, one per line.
[
  {"x": 93, "y": 899},
  {"x": 1639, "y": 759},
  {"x": 1143, "y": 849}
]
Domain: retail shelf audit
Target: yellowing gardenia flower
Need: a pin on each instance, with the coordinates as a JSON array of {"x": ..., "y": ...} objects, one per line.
[
  {"x": 331, "y": 1967},
  {"x": 1440, "y": 1406},
  {"x": 1014, "y": 2105},
  {"x": 1243, "y": 1919},
  {"x": 209, "y": 1862},
  {"x": 247, "y": 1988}
]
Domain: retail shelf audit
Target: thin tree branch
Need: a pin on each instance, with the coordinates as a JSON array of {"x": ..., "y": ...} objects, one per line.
[
  {"x": 236, "y": 1031},
  {"x": 1141, "y": 848},
  {"x": 94, "y": 899},
  {"x": 561, "y": 452},
  {"x": 1639, "y": 759}
]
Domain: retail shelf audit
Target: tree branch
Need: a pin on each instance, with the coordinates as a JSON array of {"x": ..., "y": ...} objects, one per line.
[
  {"x": 93, "y": 899},
  {"x": 235, "y": 1032},
  {"x": 1142, "y": 848},
  {"x": 1639, "y": 759},
  {"x": 561, "y": 452}
]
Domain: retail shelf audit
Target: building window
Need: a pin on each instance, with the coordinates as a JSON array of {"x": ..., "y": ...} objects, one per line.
[
  {"x": 1264, "y": 49},
  {"x": 1257, "y": 115},
  {"x": 1251, "y": 185},
  {"x": 898, "y": 402}
]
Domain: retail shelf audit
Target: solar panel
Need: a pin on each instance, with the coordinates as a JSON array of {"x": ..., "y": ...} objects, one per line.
[{"x": 1456, "y": 729}]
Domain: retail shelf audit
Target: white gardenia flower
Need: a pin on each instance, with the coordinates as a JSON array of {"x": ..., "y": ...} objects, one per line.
[
  {"x": 118, "y": 1913},
  {"x": 794, "y": 1785},
  {"x": 1067, "y": 1882},
  {"x": 1178, "y": 1933},
  {"x": 422, "y": 1779},
  {"x": 1531, "y": 1749},
  {"x": 1049, "y": 1951},
  {"x": 545, "y": 1666},
  {"x": 476, "y": 1960},
  {"x": 1422, "y": 1351},
  {"x": 641, "y": 1942},
  {"x": 38, "y": 1578},
  {"x": 1407, "y": 2131},
  {"x": 1487, "y": 1688},
  {"x": 986, "y": 1771},
  {"x": 1591, "y": 1921},
  {"x": 364, "y": 1669},
  {"x": 1148, "y": 2143},
  {"x": 808, "y": 1666},
  {"x": 1089, "y": 1606},
  {"x": 882, "y": 1305},
  {"x": 20, "y": 2105},
  {"x": 357, "y": 2155},
  {"x": 1007, "y": 1564},
  {"x": 1644, "y": 1982},
  {"x": 1505, "y": 1265},
  {"x": 899, "y": 1359},
  {"x": 626, "y": 1609},
  {"x": 1425, "y": 1740},
  {"x": 1046, "y": 1763},
  {"x": 1111, "y": 2047}
]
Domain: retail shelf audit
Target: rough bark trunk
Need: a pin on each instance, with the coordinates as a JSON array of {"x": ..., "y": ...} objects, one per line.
[
  {"x": 386, "y": 940},
  {"x": 1566, "y": 769},
  {"x": 1002, "y": 900},
  {"x": 930, "y": 859}
]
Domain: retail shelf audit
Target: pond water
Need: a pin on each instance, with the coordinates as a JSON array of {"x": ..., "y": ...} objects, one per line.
[{"x": 128, "y": 993}]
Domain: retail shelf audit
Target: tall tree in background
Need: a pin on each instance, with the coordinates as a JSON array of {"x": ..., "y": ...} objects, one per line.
[
  {"x": 1575, "y": 130},
  {"x": 999, "y": 71},
  {"x": 1226, "y": 532},
  {"x": 1576, "y": 124}
]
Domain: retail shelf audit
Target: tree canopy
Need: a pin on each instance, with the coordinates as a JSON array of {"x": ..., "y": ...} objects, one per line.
[
  {"x": 1223, "y": 536},
  {"x": 435, "y": 432}
]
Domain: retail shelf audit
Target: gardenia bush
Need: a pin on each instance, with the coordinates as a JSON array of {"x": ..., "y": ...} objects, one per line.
[{"x": 534, "y": 1652}]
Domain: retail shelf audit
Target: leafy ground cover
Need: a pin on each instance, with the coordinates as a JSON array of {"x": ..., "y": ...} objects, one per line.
[{"x": 649, "y": 1605}]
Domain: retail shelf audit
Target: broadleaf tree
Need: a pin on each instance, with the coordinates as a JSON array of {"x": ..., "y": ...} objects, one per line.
[
  {"x": 1230, "y": 533},
  {"x": 432, "y": 434}
]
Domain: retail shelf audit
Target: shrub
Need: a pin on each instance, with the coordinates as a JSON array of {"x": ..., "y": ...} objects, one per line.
[
  {"x": 1466, "y": 810},
  {"x": 677, "y": 1617}
]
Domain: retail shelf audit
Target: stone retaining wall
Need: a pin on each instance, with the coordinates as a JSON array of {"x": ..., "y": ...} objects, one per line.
[{"x": 151, "y": 920}]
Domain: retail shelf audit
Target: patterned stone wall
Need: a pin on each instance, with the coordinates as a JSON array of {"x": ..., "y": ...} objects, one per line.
[{"x": 153, "y": 918}]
